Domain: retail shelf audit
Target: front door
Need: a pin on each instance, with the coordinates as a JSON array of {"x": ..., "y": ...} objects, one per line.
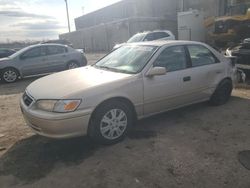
[
  {"x": 33, "y": 61},
  {"x": 170, "y": 90}
]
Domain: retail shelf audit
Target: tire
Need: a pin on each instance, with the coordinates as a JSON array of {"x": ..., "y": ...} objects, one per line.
[
  {"x": 72, "y": 65},
  {"x": 85, "y": 61},
  {"x": 222, "y": 94},
  {"x": 110, "y": 122},
  {"x": 9, "y": 75}
]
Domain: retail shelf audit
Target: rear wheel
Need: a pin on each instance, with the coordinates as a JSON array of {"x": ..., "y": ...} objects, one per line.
[
  {"x": 9, "y": 75},
  {"x": 110, "y": 122},
  {"x": 72, "y": 65},
  {"x": 222, "y": 94}
]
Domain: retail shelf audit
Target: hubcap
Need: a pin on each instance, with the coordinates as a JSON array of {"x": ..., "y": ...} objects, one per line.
[
  {"x": 73, "y": 65},
  {"x": 113, "y": 124},
  {"x": 9, "y": 76}
]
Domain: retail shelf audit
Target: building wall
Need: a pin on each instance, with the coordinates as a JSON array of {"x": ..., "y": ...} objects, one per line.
[
  {"x": 210, "y": 7},
  {"x": 120, "y": 10},
  {"x": 103, "y": 37},
  {"x": 129, "y": 9},
  {"x": 102, "y": 29}
]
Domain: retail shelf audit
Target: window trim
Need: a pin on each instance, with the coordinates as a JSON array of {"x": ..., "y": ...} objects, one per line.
[
  {"x": 23, "y": 54},
  {"x": 47, "y": 50},
  {"x": 185, "y": 54},
  {"x": 147, "y": 36},
  {"x": 161, "y": 32},
  {"x": 190, "y": 59}
]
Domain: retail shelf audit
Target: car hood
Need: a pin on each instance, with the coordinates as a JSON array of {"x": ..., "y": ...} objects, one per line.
[{"x": 65, "y": 84}]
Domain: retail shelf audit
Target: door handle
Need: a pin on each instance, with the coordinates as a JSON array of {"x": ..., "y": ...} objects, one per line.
[{"x": 187, "y": 79}]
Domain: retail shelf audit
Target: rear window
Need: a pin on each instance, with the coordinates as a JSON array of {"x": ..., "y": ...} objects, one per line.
[
  {"x": 52, "y": 50},
  {"x": 201, "y": 55},
  {"x": 160, "y": 35}
]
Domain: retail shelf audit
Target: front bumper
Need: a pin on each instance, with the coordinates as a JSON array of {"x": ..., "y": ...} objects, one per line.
[{"x": 58, "y": 126}]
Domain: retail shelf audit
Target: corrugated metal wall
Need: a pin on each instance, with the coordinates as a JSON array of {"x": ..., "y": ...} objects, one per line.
[{"x": 104, "y": 36}]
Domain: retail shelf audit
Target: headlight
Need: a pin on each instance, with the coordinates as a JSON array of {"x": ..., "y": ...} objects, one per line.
[{"x": 58, "y": 105}]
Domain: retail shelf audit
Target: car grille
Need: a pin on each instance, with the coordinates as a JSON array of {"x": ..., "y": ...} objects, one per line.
[{"x": 27, "y": 99}]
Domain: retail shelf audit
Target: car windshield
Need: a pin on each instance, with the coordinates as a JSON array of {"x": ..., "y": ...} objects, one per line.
[
  {"x": 137, "y": 38},
  {"x": 127, "y": 59}
]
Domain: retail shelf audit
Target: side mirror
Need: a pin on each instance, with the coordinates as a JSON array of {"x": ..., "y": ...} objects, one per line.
[{"x": 156, "y": 71}]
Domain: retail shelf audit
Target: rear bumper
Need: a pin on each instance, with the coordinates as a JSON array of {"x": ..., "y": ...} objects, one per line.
[{"x": 59, "y": 127}]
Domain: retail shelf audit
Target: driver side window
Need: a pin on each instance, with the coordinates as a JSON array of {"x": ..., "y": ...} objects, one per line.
[
  {"x": 34, "y": 52},
  {"x": 172, "y": 58}
]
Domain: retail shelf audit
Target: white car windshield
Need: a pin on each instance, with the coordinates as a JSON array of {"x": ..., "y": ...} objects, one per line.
[
  {"x": 137, "y": 38},
  {"x": 127, "y": 59}
]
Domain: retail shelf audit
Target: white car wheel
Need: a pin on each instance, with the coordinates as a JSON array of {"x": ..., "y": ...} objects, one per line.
[
  {"x": 110, "y": 122},
  {"x": 113, "y": 124}
]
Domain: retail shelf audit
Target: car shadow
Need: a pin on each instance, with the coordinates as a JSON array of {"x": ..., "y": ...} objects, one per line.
[
  {"x": 17, "y": 87},
  {"x": 33, "y": 158}
]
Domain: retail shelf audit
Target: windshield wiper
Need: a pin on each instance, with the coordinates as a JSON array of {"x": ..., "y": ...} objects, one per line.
[
  {"x": 112, "y": 69},
  {"x": 102, "y": 67}
]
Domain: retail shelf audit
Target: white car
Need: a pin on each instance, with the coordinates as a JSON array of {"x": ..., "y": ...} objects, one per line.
[
  {"x": 133, "y": 82},
  {"x": 149, "y": 36}
]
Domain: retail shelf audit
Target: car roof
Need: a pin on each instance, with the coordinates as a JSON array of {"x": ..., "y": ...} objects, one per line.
[
  {"x": 160, "y": 43},
  {"x": 155, "y": 31},
  {"x": 48, "y": 44}
]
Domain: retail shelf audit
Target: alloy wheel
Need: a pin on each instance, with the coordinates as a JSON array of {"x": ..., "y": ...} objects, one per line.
[
  {"x": 9, "y": 76},
  {"x": 113, "y": 124}
]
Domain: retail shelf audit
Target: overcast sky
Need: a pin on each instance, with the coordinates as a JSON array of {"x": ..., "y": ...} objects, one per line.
[{"x": 41, "y": 19}]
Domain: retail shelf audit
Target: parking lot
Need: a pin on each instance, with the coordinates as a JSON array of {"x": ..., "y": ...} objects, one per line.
[{"x": 196, "y": 146}]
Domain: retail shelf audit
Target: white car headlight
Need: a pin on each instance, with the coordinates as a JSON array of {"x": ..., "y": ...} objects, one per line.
[{"x": 61, "y": 106}]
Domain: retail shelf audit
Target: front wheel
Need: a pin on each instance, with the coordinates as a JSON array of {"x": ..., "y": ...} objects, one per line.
[
  {"x": 222, "y": 94},
  {"x": 9, "y": 75},
  {"x": 110, "y": 122}
]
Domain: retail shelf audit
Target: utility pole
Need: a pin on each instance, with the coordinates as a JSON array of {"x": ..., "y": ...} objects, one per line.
[{"x": 67, "y": 10}]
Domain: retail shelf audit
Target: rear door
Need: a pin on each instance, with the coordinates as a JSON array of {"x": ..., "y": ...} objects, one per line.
[
  {"x": 206, "y": 72},
  {"x": 56, "y": 58}
]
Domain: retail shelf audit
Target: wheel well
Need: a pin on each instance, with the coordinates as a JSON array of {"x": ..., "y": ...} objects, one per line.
[
  {"x": 225, "y": 79},
  {"x": 18, "y": 72},
  {"x": 120, "y": 99},
  {"x": 228, "y": 78}
]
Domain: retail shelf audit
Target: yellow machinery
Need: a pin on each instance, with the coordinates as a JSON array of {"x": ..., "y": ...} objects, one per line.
[{"x": 233, "y": 27}]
